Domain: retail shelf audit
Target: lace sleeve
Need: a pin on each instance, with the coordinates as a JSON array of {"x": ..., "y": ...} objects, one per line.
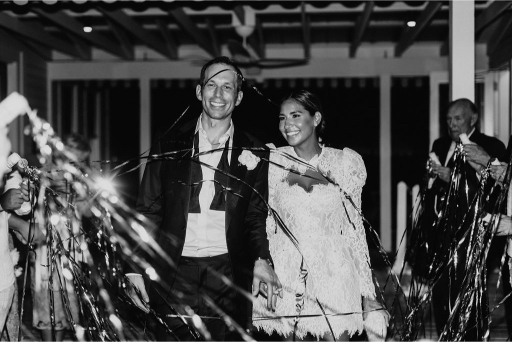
[{"x": 352, "y": 179}]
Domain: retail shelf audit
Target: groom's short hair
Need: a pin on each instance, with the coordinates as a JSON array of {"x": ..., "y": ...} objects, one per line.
[{"x": 226, "y": 61}]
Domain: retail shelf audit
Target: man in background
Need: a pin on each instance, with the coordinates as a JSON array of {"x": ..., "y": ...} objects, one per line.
[{"x": 462, "y": 118}]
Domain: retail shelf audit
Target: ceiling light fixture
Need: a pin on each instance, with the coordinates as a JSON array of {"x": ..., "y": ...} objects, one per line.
[
  {"x": 87, "y": 29},
  {"x": 411, "y": 23}
]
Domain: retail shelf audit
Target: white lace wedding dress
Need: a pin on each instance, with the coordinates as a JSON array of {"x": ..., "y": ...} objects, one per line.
[{"x": 335, "y": 264}]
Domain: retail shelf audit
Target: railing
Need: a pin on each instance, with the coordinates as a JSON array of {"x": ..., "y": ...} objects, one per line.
[{"x": 406, "y": 202}]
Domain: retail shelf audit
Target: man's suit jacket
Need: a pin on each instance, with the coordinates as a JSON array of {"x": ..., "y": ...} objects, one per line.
[
  {"x": 459, "y": 211},
  {"x": 508, "y": 153},
  {"x": 494, "y": 147},
  {"x": 164, "y": 199}
]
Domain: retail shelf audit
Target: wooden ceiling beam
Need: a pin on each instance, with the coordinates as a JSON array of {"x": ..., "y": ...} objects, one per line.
[
  {"x": 240, "y": 13},
  {"x": 126, "y": 22},
  {"x": 38, "y": 35},
  {"x": 484, "y": 22},
  {"x": 123, "y": 39},
  {"x": 19, "y": 43},
  {"x": 74, "y": 27},
  {"x": 213, "y": 36},
  {"x": 362, "y": 24},
  {"x": 82, "y": 47},
  {"x": 490, "y": 14},
  {"x": 502, "y": 30},
  {"x": 306, "y": 31},
  {"x": 256, "y": 40},
  {"x": 172, "y": 47},
  {"x": 410, "y": 34},
  {"x": 502, "y": 54},
  {"x": 191, "y": 28}
]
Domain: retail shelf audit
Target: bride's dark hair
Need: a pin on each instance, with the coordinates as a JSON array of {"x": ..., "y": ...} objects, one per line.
[{"x": 312, "y": 104}]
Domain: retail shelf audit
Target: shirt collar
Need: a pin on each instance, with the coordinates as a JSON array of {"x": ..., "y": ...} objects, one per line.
[
  {"x": 224, "y": 137},
  {"x": 472, "y": 131}
]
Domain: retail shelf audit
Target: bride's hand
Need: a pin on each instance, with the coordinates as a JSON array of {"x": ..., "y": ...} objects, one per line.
[
  {"x": 265, "y": 280},
  {"x": 376, "y": 319}
]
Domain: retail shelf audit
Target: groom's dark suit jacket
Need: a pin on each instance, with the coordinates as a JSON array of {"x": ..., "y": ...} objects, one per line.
[{"x": 164, "y": 199}]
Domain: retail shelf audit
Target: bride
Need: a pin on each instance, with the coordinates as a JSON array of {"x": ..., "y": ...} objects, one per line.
[{"x": 329, "y": 270}]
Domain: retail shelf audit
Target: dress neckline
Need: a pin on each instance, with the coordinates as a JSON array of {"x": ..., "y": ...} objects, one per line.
[{"x": 313, "y": 161}]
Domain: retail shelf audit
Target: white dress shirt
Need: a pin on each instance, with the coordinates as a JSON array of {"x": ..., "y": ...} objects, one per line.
[{"x": 206, "y": 231}]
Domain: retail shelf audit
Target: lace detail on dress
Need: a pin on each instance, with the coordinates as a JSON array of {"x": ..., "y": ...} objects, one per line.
[{"x": 333, "y": 245}]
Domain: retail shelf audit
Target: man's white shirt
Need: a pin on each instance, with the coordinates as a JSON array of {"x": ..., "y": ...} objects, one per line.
[{"x": 206, "y": 231}]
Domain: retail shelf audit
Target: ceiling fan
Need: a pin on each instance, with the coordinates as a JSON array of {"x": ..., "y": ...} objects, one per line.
[{"x": 241, "y": 55}]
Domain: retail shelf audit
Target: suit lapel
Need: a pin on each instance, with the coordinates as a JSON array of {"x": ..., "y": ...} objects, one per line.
[
  {"x": 183, "y": 174},
  {"x": 237, "y": 170},
  {"x": 445, "y": 150}
]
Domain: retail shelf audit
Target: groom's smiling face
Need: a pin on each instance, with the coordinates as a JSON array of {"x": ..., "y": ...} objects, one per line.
[{"x": 219, "y": 94}]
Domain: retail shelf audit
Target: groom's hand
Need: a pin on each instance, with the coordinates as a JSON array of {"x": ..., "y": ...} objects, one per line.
[
  {"x": 137, "y": 291},
  {"x": 265, "y": 280}
]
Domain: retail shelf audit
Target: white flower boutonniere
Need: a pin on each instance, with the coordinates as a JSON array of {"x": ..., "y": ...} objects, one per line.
[{"x": 248, "y": 159}]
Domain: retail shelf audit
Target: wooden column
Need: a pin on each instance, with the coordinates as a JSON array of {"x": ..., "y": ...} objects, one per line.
[
  {"x": 385, "y": 162},
  {"x": 16, "y": 126},
  {"x": 75, "y": 117},
  {"x": 504, "y": 105},
  {"x": 462, "y": 49},
  {"x": 436, "y": 79},
  {"x": 96, "y": 139},
  {"x": 145, "y": 119},
  {"x": 487, "y": 117}
]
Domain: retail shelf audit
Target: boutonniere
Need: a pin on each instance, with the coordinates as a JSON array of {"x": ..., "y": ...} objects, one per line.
[{"x": 248, "y": 159}]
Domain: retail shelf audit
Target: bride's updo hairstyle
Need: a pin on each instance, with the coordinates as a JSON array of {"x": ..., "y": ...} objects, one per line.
[{"x": 312, "y": 104}]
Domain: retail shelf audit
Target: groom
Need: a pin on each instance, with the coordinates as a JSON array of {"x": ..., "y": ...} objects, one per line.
[{"x": 209, "y": 223}]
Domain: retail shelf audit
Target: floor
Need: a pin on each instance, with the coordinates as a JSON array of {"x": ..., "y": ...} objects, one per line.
[{"x": 498, "y": 326}]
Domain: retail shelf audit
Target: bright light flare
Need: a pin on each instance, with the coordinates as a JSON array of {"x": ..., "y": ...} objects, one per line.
[
  {"x": 87, "y": 29},
  {"x": 141, "y": 231},
  {"x": 105, "y": 185},
  {"x": 67, "y": 274},
  {"x": 411, "y": 23},
  {"x": 46, "y": 150},
  {"x": 150, "y": 271},
  {"x": 116, "y": 321},
  {"x": 96, "y": 211},
  {"x": 54, "y": 219}
]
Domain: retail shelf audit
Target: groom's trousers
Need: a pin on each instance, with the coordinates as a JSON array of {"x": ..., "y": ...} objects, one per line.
[{"x": 200, "y": 287}]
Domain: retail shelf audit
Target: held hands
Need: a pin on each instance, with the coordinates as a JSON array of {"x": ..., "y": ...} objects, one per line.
[
  {"x": 37, "y": 236},
  {"x": 12, "y": 199},
  {"x": 442, "y": 172},
  {"x": 266, "y": 282},
  {"x": 137, "y": 291},
  {"x": 376, "y": 319},
  {"x": 371, "y": 305}
]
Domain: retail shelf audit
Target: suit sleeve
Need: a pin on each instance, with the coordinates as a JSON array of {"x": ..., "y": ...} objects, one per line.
[
  {"x": 500, "y": 150},
  {"x": 508, "y": 153},
  {"x": 255, "y": 220}
]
